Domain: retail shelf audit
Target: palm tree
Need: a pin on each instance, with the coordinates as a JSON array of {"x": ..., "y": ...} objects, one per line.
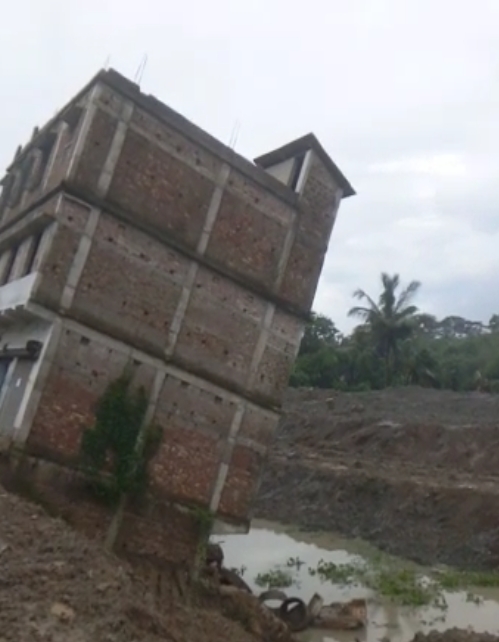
[{"x": 389, "y": 321}]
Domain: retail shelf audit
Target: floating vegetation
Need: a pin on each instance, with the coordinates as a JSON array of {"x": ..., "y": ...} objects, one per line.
[{"x": 275, "y": 578}]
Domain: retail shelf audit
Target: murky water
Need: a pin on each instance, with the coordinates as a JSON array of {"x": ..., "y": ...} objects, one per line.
[{"x": 269, "y": 545}]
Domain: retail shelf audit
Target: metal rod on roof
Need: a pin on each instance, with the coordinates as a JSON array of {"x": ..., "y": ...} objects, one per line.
[{"x": 140, "y": 71}]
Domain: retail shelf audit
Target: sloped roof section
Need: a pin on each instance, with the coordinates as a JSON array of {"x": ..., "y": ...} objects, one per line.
[{"x": 300, "y": 145}]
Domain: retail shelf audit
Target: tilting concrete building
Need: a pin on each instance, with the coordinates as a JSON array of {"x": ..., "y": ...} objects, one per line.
[{"x": 129, "y": 236}]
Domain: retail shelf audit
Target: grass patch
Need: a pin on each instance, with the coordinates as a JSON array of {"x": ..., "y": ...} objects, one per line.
[{"x": 451, "y": 580}]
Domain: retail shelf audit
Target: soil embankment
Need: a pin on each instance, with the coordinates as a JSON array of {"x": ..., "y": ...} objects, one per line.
[
  {"x": 414, "y": 471},
  {"x": 57, "y": 586}
]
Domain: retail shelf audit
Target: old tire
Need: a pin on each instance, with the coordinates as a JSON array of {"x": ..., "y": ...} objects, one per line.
[{"x": 294, "y": 612}]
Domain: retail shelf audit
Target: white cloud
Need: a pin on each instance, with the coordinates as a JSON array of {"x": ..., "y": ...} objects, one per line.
[
  {"x": 403, "y": 95},
  {"x": 438, "y": 165}
]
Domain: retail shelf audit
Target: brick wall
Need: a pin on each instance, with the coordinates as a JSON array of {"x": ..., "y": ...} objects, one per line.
[
  {"x": 196, "y": 418},
  {"x": 164, "y": 534},
  {"x": 116, "y": 292},
  {"x": 130, "y": 285},
  {"x": 81, "y": 370},
  {"x": 247, "y": 238},
  {"x": 195, "y": 423},
  {"x": 151, "y": 528},
  {"x": 220, "y": 329},
  {"x": 166, "y": 182},
  {"x": 55, "y": 266}
]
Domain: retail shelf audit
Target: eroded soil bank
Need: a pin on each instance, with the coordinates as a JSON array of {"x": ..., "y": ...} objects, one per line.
[
  {"x": 414, "y": 471},
  {"x": 57, "y": 586}
]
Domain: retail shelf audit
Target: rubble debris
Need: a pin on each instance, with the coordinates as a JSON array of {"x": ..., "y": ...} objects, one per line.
[
  {"x": 347, "y": 616},
  {"x": 260, "y": 620},
  {"x": 315, "y": 605},
  {"x": 291, "y": 611}
]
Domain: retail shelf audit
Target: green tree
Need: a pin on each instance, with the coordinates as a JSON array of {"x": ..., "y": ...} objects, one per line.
[
  {"x": 391, "y": 320},
  {"x": 319, "y": 333},
  {"x": 494, "y": 323}
]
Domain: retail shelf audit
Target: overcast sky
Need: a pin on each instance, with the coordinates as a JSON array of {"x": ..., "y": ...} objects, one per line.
[{"x": 403, "y": 94}]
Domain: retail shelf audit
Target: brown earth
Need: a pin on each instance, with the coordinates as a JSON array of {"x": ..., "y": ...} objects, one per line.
[
  {"x": 414, "y": 471},
  {"x": 57, "y": 586}
]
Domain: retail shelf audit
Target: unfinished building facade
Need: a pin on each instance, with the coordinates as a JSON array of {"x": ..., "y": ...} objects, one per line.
[{"x": 130, "y": 237}]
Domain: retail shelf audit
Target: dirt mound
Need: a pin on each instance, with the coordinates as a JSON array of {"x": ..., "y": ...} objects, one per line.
[
  {"x": 429, "y": 428},
  {"x": 415, "y": 471},
  {"x": 56, "y": 586}
]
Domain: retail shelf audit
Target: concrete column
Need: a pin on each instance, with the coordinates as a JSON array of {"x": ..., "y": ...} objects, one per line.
[
  {"x": 88, "y": 116},
  {"x": 56, "y": 150},
  {"x": 36, "y": 383},
  {"x": 79, "y": 260},
  {"x": 223, "y": 469},
  {"x": 115, "y": 150},
  {"x": 44, "y": 245}
]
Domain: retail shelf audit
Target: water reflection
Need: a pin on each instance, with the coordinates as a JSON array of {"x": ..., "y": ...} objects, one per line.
[{"x": 268, "y": 545}]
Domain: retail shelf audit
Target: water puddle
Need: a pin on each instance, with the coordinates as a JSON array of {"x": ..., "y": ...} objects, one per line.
[{"x": 270, "y": 546}]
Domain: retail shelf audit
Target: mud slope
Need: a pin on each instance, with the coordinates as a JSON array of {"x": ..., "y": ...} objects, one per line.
[
  {"x": 56, "y": 586},
  {"x": 414, "y": 471}
]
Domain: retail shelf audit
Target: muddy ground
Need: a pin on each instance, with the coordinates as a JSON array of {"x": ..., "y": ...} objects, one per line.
[
  {"x": 414, "y": 471},
  {"x": 57, "y": 586}
]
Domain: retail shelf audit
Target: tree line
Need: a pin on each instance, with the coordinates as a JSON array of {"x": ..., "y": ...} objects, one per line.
[{"x": 396, "y": 344}]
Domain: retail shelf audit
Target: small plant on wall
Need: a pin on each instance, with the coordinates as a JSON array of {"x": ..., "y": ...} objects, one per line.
[
  {"x": 116, "y": 451},
  {"x": 204, "y": 520}
]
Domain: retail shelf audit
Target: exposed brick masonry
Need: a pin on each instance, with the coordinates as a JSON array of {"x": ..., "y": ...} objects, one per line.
[{"x": 166, "y": 252}]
